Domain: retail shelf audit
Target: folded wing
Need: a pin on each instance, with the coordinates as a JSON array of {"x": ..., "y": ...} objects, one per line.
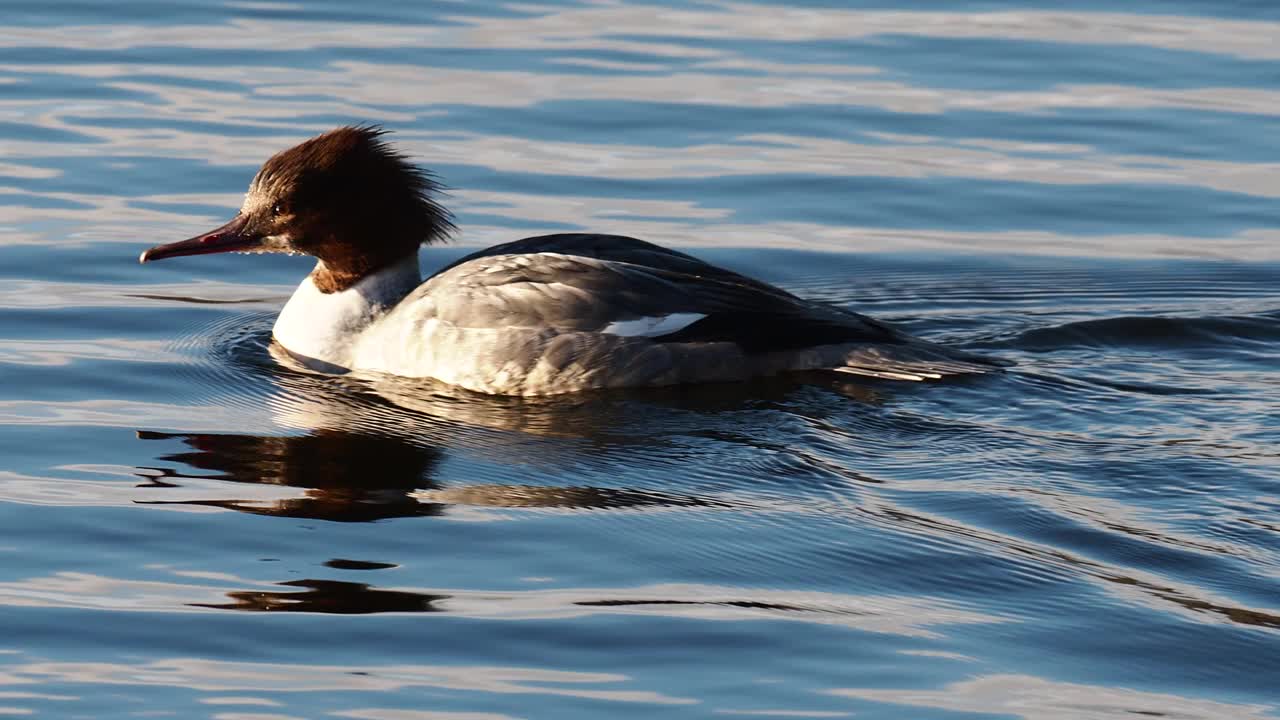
[{"x": 623, "y": 286}]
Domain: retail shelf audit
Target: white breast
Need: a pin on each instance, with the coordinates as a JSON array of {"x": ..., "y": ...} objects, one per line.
[{"x": 325, "y": 327}]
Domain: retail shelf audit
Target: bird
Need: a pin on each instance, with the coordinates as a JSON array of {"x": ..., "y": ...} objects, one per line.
[{"x": 546, "y": 315}]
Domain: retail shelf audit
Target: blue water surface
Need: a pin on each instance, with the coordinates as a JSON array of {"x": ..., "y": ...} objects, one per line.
[{"x": 193, "y": 529}]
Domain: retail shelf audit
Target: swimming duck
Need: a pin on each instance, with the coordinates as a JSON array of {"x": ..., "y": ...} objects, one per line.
[{"x": 539, "y": 316}]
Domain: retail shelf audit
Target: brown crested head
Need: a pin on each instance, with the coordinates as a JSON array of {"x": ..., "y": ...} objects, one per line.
[{"x": 345, "y": 197}]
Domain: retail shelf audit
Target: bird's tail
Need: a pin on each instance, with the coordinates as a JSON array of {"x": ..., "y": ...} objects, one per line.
[{"x": 917, "y": 361}]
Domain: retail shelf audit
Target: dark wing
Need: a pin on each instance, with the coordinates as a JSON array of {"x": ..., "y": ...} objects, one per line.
[
  {"x": 551, "y": 287},
  {"x": 761, "y": 332},
  {"x": 619, "y": 248}
]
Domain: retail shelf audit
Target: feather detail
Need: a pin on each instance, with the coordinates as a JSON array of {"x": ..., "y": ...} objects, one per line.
[{"x": 916, "y": 361}]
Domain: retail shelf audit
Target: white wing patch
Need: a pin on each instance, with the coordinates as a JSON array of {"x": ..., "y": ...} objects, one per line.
[{"x": 652, "y": 326}]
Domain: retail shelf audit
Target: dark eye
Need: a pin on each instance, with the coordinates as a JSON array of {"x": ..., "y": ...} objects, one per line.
[{"x": 277, "y": 209}]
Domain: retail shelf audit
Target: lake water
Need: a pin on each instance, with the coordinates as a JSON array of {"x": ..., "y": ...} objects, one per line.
[{"x": 191, "y": 529}]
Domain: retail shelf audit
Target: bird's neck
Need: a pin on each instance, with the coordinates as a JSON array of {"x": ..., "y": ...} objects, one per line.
[{"x": 321, "y": 328}]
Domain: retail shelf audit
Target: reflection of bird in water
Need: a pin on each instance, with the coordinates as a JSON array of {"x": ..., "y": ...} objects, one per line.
[
  {"x": 355, "y": 477},
  {"x": 348, "y": 477},
  {"x": 328, "y": 596},
  {"x": 349, "y": 598}
]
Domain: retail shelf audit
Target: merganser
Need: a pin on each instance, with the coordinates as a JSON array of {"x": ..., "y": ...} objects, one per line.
[{"x": 538, "y": 316}]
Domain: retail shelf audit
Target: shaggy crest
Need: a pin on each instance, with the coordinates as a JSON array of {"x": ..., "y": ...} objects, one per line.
[{"x": 353, "y": 166}]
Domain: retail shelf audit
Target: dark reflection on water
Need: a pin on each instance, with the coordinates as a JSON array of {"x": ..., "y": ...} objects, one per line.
[
  {"x": 329, "y": 596},
  {"x": 347, "y": 477},
  {"x": 345, "y": 564},
  {"x": 353, "y": 477},
  {"x": 350, "y": 598}
]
